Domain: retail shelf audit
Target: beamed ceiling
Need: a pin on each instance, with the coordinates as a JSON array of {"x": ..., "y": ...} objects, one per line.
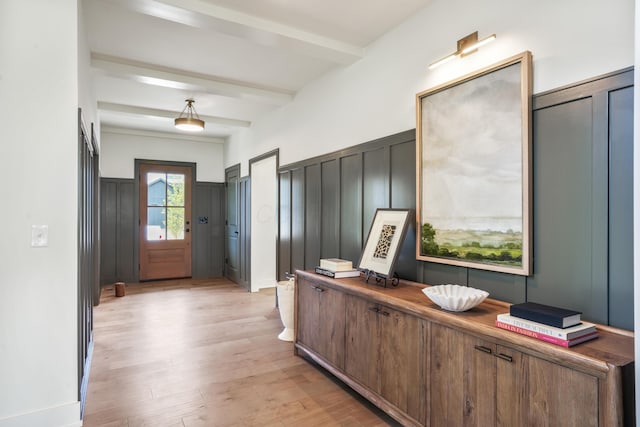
[{"x": 239, "y": 59}]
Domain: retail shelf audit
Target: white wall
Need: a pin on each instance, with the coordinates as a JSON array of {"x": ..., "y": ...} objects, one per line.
[
  {"x": 571, "y": 40},
  {"x": 264, "y": 201},
  {"x": 39, "y": 73},
  {"x": 120, "y": 148},
  {"x": 86, "y": 96},
  {"x": 636, "y": 203}
]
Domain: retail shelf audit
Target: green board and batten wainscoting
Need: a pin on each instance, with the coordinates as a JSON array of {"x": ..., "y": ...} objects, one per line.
[{"x": 582, "y": 213}]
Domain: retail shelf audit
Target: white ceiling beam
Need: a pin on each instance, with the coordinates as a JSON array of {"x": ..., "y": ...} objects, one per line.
[
  {"x": 164, "y": 135},
  {"x": 184, "y": 80},
  {"x": 201, "y": 14},
  {"x": 154, "y": 112}
]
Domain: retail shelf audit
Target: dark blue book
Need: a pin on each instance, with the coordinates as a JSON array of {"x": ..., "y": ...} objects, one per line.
[{"x": 549, "y": 315}]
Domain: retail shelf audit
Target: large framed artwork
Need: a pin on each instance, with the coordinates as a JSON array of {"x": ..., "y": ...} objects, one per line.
[{"x": 473, "y": 169}]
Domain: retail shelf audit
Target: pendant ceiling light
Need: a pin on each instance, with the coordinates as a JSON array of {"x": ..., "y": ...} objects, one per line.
[{"x": 189, "y": 120}]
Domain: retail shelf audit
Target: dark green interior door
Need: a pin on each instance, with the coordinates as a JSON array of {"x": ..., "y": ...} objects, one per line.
[{"x": 232, "y": 229}]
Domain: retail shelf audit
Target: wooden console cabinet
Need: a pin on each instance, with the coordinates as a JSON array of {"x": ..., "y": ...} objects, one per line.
[{"x": 425, "y": 366}]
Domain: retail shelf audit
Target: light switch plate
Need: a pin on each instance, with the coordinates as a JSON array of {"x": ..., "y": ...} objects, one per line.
[{"x": 39, "y": 236}]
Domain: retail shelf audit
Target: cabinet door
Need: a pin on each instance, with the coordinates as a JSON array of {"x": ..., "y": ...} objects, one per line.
[
  {"x": 400, "y": 365},
  {"x": 384, "y": 352},
  {"x": 533, "y": 391},
  {"x": 308, "y": 312},
  {"x": 362, "y": 342},
  {"x": 321, "y": 321},
  {"x": 512, "y": 395},
  {"x": 462, "y": 379}
]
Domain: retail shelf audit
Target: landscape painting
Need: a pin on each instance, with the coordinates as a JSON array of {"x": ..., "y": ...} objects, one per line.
[{"x": 474, "y": 169}]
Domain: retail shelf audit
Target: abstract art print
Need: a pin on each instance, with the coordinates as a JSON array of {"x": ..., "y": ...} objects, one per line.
[
  {"x": 473, "y": 169},
  {"x": 384, "y": 241}
]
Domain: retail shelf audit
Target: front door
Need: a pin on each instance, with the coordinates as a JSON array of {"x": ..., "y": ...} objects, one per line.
[{"x": 165, "y": 221}]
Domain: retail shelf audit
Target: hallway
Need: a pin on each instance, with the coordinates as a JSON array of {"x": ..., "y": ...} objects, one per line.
[{"x": 204, "y": 352}]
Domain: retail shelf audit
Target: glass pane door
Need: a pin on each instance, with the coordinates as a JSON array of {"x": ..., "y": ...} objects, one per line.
[{"x": 165, "y": 206}]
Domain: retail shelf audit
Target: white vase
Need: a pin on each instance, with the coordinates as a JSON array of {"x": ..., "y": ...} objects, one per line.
[{"x": 285, "y": 305}]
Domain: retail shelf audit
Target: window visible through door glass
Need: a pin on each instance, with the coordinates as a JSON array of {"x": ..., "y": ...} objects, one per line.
[{"x": 165, "y": 206}]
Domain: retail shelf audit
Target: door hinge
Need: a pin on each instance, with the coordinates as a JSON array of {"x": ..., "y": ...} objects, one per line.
[{"x": 226, "y": 260}]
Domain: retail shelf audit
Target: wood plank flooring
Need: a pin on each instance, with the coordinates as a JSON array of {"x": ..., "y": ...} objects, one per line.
[{"x": 198, "y": 352}]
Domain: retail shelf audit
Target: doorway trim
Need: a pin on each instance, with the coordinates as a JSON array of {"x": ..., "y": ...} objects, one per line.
[
  {"x": 275, "y": 153},
  {"x": 136, "y": 178}
]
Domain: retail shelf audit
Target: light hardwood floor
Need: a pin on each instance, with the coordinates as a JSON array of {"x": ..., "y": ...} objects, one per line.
[{"x": 205, "y": 353}]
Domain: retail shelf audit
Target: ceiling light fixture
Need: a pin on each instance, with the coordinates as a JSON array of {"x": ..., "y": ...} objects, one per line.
[
  {"x": 189, "y": 120},
  {"x": 466, "y": 46}
]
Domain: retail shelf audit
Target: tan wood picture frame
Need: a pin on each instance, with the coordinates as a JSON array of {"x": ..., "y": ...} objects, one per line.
[{"x": 473, "y": 169}]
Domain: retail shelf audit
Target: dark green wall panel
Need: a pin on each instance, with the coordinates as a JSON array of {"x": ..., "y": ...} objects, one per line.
[
  {"x": 505, "y": 287},
  {"x": 200, "y": 243},
  {"x": 330, "y": 233},
  {"x": 439, "y": 274},
  {"x": 562, "y": 214},
  {"x": 127, "y": 226},
  {"x": 108, "y": 224},
  {"x": 375, "y": 185},
  {"x": 297, "y": 219},
  {"x": 313, "y": 199},
  {"x": 403, "y": 196},
  {"x": 217, "y": 229},
  {"x": 621, "y": 208},
  {"x": 403, "y": 174},
  {"x": 208, "y": 230},
  {"x": 351, "y": 207},
  {"x": 117, "y": 231}
]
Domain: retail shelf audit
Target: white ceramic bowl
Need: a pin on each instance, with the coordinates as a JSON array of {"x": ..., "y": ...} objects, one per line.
[{"x": 455, "y": 297}]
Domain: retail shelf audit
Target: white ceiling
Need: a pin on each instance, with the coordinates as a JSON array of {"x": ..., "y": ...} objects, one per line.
[{"x": 238, "y": 59}]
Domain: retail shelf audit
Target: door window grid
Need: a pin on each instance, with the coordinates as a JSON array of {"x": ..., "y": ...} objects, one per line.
[{"x": 165, "y": 206}]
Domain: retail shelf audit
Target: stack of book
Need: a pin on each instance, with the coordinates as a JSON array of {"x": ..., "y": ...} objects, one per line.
[
  {"x": 337, "y": 268},
  {"x": 547, "y": 323}
]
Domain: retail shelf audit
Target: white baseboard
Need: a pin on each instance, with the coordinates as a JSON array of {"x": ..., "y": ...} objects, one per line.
[
  {"x": 264, "y": 285},
  {"x": 60, "y": 416}
]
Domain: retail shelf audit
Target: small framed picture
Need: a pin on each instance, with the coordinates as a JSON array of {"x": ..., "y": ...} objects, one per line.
[{"x": 383, "y": 243}]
